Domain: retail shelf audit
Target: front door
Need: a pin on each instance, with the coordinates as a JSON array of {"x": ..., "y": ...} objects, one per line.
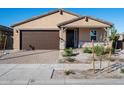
[{"x": 70, "y": 38}]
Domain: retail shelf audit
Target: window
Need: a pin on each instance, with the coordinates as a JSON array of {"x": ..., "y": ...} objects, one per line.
[{"x": 93, "y": 35}]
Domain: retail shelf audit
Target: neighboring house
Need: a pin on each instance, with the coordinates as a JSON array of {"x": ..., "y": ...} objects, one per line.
[
  {"x": 58, "y": 29},
  {"x": 120, "y": 42},
  {"x": 8, "y": 32},
  {"x": 121, "y": 37}
]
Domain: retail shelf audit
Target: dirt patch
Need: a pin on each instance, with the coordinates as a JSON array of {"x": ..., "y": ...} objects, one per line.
[
  {"x": 73, "y": 61},
  {"x": 87, "y": 74}
]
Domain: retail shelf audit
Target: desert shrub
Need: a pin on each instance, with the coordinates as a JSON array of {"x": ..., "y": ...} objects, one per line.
[
  {"x": 87, "y": 50},
  {"x": 68, "y": 72},
  {"x": 68, "y": 52},
  {"x": 70, "y": 59},
  {"x": 2, "y": 38},
  {"x": 107, "y": 50},
  {"x": 122, "y": 70},
  {"x": 99, "y": 50}
]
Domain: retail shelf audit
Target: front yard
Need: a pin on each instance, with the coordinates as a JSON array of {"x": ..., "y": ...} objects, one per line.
[{"x": 106, "y": 68}]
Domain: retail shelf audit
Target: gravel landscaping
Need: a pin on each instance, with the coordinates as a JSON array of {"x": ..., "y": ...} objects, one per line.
[{"x": 88, "y": 74}]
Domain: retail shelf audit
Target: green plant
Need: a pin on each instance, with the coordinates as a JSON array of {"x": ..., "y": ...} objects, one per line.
[
  {"x": 122, "y": 70},
  {"x": 68, "y": 72},
  {"x": 2, "y": 38},
  {"x": 99, "y": 50},
  {"x": 68, "y": 52},
  {"x": 87, "y": 50},
  {"x": 114, "y": 38}
]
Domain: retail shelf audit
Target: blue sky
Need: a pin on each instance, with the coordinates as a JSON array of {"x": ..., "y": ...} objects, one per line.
[{"x": 9, "y": 16}]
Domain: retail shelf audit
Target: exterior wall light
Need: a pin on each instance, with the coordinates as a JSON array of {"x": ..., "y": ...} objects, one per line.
[{"x": 17, "y": 31}]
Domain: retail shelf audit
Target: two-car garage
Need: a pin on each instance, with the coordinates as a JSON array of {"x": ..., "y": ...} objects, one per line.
[{"x": 39, "y": 39}]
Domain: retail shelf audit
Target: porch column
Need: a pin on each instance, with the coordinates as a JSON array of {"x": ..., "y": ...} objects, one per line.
[
  {"x": 16, "y": 39},
  {"x": 62, "y": 40}
]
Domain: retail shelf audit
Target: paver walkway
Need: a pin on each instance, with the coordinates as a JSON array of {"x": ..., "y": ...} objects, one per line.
[{"x": 31, "y": 57}]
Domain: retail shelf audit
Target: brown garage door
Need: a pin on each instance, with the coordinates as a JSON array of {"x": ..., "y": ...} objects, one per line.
[{"x": 33, "y": 39}]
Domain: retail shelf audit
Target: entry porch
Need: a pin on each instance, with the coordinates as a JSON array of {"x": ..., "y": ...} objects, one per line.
[{"x": 80, "y": 32}]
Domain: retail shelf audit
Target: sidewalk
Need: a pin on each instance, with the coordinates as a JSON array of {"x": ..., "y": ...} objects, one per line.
[{"x": 27, "y": 74}]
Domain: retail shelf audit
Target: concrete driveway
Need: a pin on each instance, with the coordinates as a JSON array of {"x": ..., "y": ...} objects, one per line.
[{"x": 30, "y": 57}]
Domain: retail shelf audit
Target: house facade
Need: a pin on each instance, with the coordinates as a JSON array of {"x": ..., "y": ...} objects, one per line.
[{"x": 59, "y": 29}]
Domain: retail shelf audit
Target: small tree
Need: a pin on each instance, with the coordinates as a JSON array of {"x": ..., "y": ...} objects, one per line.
[
  {"x": 93, "y": 53},
  {"x": 113, "y": 43},
  {"x": 113, "y": 37},
  {"x": 99, "y": 51},
  {"x": 2, "y": 39}
]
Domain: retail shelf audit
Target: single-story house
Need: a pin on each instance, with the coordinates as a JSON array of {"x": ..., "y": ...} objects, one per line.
[
  {"x": 6, "y": 32},
  {"x": 58, "y": 29}
]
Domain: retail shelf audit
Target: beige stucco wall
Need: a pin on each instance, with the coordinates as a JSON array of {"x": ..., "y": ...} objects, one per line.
[
  {"x": 50, "y": 21},
  {"x": 47, "y": 22},
  {"x": 84, "y": 35},
  {"x": 90, "y": 23}
]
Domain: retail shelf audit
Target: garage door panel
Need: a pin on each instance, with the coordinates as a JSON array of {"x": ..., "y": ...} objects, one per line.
[{"x": 40, "y": 39}]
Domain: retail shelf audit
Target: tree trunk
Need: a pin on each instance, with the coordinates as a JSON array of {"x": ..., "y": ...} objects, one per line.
[
  {"x": 110, "y": 53},
  {"x": 93, "y": 56},
  {"x": 100, "y": 62}
]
